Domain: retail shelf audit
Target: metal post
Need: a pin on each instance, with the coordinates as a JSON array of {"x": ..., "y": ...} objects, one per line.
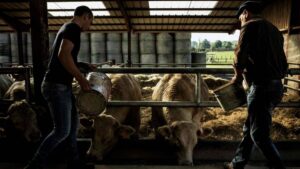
[
  {"x": 105, "y": 47},
  {"x": 27, "y": 84},
  {"x": 89, "y": 48},
  {"x": 155, "y": 48},
  {"x": 129, "y": 62},
  {"x": 198, "y": 87},
  {"x": 139, "y": 49}
]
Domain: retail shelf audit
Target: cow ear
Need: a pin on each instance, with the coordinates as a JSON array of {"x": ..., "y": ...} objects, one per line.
[
  {"x": 165, "y": 131},
  {"x": 199, "y": 130},
  {"x": 125, "y": 131},
  {"x": 207, "y": 132}
]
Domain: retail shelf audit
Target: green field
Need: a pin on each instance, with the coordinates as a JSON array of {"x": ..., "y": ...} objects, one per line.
[{"x": 219, "y": 57}]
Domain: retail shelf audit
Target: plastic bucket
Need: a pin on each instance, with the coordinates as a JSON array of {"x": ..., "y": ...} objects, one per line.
[
  {"x": 93, "y": 102},
  {"x": 230, "y": 96}
]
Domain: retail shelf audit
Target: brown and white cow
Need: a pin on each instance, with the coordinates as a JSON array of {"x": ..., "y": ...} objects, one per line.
[
  {"x": 116, "y": 122},
  {"x": 5, "y": 83},
  {"x": 21, "y": 122},
  {"x": 17, "y": 90},
  {"x": 179, "y": 125}
]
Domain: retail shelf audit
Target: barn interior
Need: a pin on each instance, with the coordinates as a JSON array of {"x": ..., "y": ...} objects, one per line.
[{"x": 146, "y": 38}]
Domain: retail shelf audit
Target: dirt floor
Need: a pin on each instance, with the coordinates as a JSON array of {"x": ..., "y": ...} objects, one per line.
[{"x": 204, "y": 166}]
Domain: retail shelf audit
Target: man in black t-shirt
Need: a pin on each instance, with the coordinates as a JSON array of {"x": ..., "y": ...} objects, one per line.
[{"x": 57, "y": 89}]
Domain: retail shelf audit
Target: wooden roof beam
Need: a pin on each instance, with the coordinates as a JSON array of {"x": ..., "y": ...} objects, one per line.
[
  {"x": 124, "y": 13},
  {"x": 133, "y": 9},
  {"x": 157, "y": 24},
  {"x": 128, "y": 0},
  {"x": 14, "y": 23},
  {"x": 147, "y": 17},
  {"x": 183, "y": 30}
]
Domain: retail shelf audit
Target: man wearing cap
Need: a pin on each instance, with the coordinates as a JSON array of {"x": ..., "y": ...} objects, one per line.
[{"x": 260, "y": 57}]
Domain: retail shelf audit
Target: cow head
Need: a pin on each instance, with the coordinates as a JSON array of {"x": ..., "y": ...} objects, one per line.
[
  {"x": 23, "y": 119},
  {"x": 183, "y": 135},
  {"x": 107, "y": 133}
]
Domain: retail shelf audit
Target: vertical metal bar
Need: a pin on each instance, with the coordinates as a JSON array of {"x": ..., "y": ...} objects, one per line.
[
  {"x": 105, "y": 47},
  {"x": 139, "y": 49},
  {"x": 25, "y": 53},
  {"x": 129, "y": 62},
  {"x": 89, "y": 47},
  {"x": 27, "y": 84},
  {"x": 198, "y": 87},
  {"x": 9, "y": 48},
  {"x": 174, "y": 48},
  {"x": 155, "y": 49},
  {"x": 122, "y": 52}
]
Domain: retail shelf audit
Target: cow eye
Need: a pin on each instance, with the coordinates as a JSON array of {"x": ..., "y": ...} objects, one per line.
[{"x": 176, "y": 141}]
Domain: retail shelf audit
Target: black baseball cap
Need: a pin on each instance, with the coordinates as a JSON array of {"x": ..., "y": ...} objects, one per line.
[{"x": 254, "y": 7}]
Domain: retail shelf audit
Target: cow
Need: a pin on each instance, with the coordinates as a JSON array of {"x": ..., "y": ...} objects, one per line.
[
  {"x": 5, "y": 83},
  {"x": 179, "y": 125},
  {"x": 116, "y": 122},
  {"x": 17, "y": 90},
  {"x": 21, "y": 122}
]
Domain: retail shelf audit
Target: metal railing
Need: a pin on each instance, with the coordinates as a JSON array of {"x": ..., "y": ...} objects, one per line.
[
  {"x": 295, "y": 72},
  {"x": 196, "y": 70},
  {"x": 149, "y": 70}
]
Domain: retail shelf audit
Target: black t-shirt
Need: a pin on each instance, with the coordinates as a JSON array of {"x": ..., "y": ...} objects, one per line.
[{"x": 56, "y": 72}]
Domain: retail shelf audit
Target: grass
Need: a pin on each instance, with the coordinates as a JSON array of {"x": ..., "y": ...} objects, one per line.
[{"x": 219, "y": 57}]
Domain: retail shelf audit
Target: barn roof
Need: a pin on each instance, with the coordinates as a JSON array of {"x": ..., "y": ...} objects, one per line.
[{"x": 134, "y": 15}]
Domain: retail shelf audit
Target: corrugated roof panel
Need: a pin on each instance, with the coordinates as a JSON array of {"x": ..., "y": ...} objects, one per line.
[
  {"x": 188, "y": 23},
  {"x": 14, "y": 5},
  {"x": 18, "y": 14},
  {"x": 6, "y": 29}
]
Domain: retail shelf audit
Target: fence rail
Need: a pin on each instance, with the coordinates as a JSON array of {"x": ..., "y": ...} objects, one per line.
[{"x": 150, "y": 70}]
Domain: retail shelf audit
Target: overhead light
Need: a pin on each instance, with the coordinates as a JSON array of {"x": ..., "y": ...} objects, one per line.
[
  {"x": 181, "y": 4},
  {"x": 73, "y": 5}
]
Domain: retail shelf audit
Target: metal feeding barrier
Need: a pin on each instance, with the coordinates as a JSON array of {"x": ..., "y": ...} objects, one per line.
[
  {"x": 26, "y": 71},
  {"x": 190, "y": 70},
  {"x": 286, "y": 79}
]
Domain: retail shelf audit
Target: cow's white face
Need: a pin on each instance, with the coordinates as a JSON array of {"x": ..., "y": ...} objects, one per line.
[
  {"x": 183, "y": 135},
  {"x": 24, "y": 120},
  {"x": 107, "y": 133}
]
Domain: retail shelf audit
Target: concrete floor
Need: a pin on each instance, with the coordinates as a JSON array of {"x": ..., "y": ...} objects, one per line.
[{"x": 204, "y": 166}]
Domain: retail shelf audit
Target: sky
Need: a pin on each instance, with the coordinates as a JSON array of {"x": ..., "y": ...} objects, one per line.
[{"x": 212, "y": 37}]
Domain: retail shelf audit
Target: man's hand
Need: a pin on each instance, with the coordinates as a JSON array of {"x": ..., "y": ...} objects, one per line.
[
  {"x": 93, "y": 67},
  {"x": 86, "y": 67},
  {"x": 237, "y": 79},
  {"x": 238, "y": 75},
  {"x": 84, "y": 84}
]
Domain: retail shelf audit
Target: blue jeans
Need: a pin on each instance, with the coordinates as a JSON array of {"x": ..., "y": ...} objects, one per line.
[
  {"x": 262, "y": 99},
  {"x": 65, "y": 119}
]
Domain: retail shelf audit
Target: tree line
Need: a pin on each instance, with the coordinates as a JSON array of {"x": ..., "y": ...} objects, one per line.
[{"x": 205, "y": 45}]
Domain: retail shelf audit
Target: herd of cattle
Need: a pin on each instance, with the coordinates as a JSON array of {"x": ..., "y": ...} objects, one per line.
[
  {"x": 28, "y": 122},
  {"x": 180, "y": 126}
]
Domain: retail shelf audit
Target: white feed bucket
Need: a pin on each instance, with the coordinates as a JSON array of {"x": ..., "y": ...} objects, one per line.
[
  {"x": 93, "y": 102},
  {"x": 230, "y": 96}
]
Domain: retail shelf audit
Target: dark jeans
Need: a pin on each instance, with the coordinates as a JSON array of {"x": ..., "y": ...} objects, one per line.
[
  {"x": 65, "y": 119},
  {"x": 262, "y": 99}
]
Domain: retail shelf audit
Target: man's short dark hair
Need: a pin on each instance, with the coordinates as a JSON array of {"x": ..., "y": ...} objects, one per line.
[{"x": 81, "y": 10}]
